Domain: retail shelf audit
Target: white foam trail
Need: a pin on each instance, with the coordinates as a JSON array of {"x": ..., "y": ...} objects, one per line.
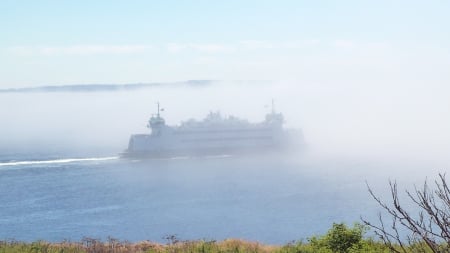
[
  {"x": 179, "y": 158},
  {"x": 67, "y": 160}
]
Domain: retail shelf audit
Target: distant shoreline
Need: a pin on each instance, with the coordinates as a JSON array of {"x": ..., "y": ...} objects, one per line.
[{"x": 122, "y": 87}]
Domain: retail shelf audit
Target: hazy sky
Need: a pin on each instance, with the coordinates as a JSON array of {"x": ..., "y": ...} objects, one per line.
[{"x": 353, "y": 42}]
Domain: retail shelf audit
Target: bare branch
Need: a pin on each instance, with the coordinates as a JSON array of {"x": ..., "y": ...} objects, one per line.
[{"x": 429, "y": 227}]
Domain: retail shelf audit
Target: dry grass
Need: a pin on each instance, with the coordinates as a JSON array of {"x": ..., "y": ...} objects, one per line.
[{"x": 90, "y": 245}]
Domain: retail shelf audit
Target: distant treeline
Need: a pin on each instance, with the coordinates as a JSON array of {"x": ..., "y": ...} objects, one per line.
[
  {"x": 125, "y": 87},
  {"x": 105, "y": 87}
]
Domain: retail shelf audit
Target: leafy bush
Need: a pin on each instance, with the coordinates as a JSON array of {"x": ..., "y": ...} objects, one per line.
[{"x": 341, "y": 239}]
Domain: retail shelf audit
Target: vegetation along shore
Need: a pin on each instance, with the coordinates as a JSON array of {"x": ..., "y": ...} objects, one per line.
[{"x": 340, "y": 238}]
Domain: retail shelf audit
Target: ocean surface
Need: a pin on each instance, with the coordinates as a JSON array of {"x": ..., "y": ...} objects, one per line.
[{"x": 271, "y": 199}]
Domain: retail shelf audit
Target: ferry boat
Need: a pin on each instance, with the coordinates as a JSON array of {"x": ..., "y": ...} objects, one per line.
[{"x": 214, "y": 135}]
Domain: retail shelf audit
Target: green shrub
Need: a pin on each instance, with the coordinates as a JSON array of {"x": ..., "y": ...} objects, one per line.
[{"x": 341, "y": 239}]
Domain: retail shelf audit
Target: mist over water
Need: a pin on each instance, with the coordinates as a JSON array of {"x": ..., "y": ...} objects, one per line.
[
  {"x": 353, "y": 135},
  {"x": 377, "y": 120}
]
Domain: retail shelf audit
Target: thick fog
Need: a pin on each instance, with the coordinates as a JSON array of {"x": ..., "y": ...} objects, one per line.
[
  {"x": 378, "y": 120},
  {"x": 391, "y": 128}
]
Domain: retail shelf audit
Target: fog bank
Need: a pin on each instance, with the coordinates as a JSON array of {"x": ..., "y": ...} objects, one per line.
[{"x": 347, "y": 120}]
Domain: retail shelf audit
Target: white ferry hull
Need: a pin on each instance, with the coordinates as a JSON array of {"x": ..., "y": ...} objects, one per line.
[{"x": 213, "y": 136}]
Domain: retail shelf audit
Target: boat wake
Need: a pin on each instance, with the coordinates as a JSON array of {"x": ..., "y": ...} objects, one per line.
[{"x": 58, "y": 161}]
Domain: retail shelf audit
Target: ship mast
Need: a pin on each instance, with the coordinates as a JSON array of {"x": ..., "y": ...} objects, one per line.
[
  {"x": 156, "y": 122},
  {"x": 158, "y": 109}
]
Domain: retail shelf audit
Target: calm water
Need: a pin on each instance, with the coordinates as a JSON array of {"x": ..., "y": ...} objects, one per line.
[{"x": 269, "y": 199}]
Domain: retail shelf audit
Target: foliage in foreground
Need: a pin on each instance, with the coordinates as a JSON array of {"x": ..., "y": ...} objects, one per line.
[{"x": 340, "y": 239}]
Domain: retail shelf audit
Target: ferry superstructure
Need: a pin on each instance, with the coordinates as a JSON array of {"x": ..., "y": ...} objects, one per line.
[{"x": 214, "y": 135}]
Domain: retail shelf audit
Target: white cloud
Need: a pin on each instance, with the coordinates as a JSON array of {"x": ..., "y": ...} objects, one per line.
[
  {"x": 205, "y": 48},
  {"x": 362, "y": 46},
  {"x": 79, "y": 49},
  {"x": 240, "y": 45},
  {"x": 95, "y": 49},
  {"x": 212, "y": 48},
  {"x": 263, "y": 44}
]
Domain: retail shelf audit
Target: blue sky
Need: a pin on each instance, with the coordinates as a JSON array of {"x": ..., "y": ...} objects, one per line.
[{"x": 72, "y": 42}]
